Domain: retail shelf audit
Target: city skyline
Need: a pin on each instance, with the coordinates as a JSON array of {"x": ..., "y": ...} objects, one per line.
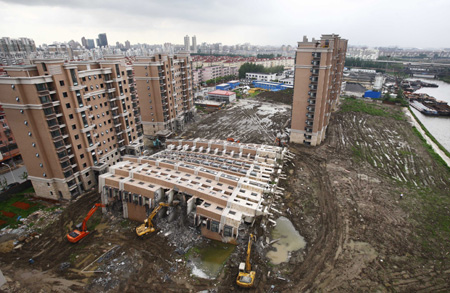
[{"x": 378, "y": 23}]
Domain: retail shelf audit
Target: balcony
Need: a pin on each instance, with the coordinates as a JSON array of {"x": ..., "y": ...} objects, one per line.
[
  {"x": 307, "y": 136},
  {"x": 314, "y": 72},
  {"x": 312, "y": 101},
  {"x": 308, "y": 129},
  {"x": 312, "y": 94},
  {"x": 89, "y": 128}
]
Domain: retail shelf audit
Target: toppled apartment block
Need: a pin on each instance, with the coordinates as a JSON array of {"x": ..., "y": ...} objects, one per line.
[{"x": 220, "y": 184}]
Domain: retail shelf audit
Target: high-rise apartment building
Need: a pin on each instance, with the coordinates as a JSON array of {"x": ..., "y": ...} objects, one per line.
[
  {"x": 164, "y": 84},
  {"x": 103, "y": 41},
  {"x": 84, "y": 42},
  {"x": 8, "y": 145},
  {"x": 186, "y": 44},
  {"x": 71, "y": 120},
  {"x": 194, "y": 44},
  {"x": 318, "y": 76},
  {"x": 10, "y": 46}
]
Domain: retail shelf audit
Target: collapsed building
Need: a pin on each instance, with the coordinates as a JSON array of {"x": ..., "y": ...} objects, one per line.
[{"x": 221, "y": 185}]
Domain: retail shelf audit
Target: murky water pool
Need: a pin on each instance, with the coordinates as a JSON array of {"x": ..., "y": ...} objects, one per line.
[
  {"x": 207, "y": 262},
  {"x": 289, "y": 240}
]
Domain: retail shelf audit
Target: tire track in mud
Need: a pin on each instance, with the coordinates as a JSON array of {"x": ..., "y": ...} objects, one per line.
[{"x": 331, "y": 227}]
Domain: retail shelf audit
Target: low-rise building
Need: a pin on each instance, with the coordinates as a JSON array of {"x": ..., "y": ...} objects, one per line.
[
  {"x": 271, "y": 86},
  {"x": 222, "y": 96},
  {"x": 261, "y": 76},
  {"x": 221, "y": 185}
]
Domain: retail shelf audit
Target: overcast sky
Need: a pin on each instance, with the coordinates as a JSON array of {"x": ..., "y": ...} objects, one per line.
[{"x": 404, "y": 23}]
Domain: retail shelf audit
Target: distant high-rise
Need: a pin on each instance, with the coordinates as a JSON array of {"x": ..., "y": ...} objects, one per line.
[
  {"x": 127, "y": 45},
  {"x": 102, "y": 40},
  {"x": 186, "y": 43},
  {"x": 90, "y": 44},
  {"x": 194, "y": 44},
  {"x": 10, "y": 46},
  {"x": 318, "y": 76},
  {"x": 84, "y": 42}
]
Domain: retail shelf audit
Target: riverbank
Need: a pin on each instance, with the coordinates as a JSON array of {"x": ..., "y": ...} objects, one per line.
[{"x": 429, "y": 138}]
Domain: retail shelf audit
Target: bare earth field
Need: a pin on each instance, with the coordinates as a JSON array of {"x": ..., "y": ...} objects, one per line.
[{"x": 343, "y": 197}]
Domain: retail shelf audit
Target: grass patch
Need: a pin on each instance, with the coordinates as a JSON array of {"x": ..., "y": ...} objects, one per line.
[
  {"x": 7, "y": 206},
  {"x": 356, "y": 105},
  {"x": 446, "y": 152},
  {"x": 430, "y": 149},
  {"x": 434, "y": 219}
]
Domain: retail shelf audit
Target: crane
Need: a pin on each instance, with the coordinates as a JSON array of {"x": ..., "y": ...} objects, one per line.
[
  {"x": 77, "y": 234},
  {"x": 246, "y": 277},
  {"x": 147, "y": 226}
]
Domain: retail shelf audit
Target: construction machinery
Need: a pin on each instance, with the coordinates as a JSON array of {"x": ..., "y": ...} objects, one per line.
[
  {"x": 81, "y": 229},
  {"x": 233, "y": 140},
  {"x": 147, "y": 226},
  {"x": 246, "y": 277}
]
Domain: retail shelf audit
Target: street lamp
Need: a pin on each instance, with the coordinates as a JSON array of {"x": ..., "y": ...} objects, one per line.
[{"x": 14, "y": 178}]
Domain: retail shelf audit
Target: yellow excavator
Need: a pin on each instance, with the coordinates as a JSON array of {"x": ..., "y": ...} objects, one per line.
[
  {"x": 246, "y": 277},
  {"x": 148, "y": 227}
]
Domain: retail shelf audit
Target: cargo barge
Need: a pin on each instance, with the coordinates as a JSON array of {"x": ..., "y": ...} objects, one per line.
[{"x": 428, "y": 105}]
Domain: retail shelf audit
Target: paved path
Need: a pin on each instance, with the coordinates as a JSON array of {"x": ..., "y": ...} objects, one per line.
[
  {"x": 429, "y": 141},
  {"x": 17, "y": 173}
]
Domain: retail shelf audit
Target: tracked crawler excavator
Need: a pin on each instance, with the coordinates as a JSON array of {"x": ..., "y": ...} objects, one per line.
[
  {"x": 246, "y": 277},
  {"x": 81, "y": 231},
  {"x": 147, "y": 226}
]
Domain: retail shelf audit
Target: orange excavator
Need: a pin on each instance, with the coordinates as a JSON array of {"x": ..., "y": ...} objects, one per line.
[
  {"x": 81, "y": 231},
  {"x": 246, "y": 277},
  {"x": 233, "y": 140}
]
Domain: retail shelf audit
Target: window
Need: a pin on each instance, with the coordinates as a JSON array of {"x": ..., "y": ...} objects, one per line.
[
  {"x": 82, "y": 156},
  {"x": 70, "y": 116},
  {"x": 215, "y": 226},
  {"x": 41, "y": 165},
  {"x": 74, "y": 126},
  {"x": 84, "y": 165},
  {"x": 37, "y": 155},
  {"x": 89, "y": 182},
  {"x": 79, "y": 146},
  {"x": 77, "y": 136},
  {"x": 68, "y": 106},
  {"x": 61, "y": 82},
  {"x": 227, "y": 231},
  {"x": 65, "y": 95},
  {"x": 87, "y": 174},
  {"x": 33, "y": 144}
]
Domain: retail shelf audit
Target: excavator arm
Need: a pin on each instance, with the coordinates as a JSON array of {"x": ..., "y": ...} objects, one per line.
[
  {"x": 248, "y": 266},
  {"x": 147, "y": 227},
  {"x": 89, "y": 215},
  {"x": 246, "y": 276}
]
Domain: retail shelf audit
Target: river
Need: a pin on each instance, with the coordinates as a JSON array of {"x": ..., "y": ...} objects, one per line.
[{"x": 439, "y": 127}]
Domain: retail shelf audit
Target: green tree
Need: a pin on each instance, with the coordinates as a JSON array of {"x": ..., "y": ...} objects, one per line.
[{"x": 24, "y": 175}]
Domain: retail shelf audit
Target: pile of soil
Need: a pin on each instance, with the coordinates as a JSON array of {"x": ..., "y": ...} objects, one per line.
[{"x": 284, "y": 97}]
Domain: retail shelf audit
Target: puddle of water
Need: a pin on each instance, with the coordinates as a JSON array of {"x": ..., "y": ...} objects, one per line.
[
  {"x": 290, "y": 240},
  {"x": 207, "y": 262}
]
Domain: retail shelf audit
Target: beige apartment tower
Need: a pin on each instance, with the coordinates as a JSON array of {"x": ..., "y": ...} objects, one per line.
[
  {"x": 164, "y": 84},
  {"x": 318, "y": 76},
  {"x": 71, "y": 120}
]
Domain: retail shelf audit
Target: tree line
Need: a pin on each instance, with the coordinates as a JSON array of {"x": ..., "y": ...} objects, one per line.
[{"x": 253, "y": 68}]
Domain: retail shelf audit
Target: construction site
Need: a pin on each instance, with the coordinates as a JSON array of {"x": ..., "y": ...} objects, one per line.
[{"x": 225, "y": 206}]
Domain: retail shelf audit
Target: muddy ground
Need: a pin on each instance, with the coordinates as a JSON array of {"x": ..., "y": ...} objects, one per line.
[
  {"x": 343, "y": 197},
  {"x": 249, "y": 120}
]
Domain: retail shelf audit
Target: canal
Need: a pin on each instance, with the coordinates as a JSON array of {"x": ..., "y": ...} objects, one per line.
[{"x": 439, "y": 127}]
